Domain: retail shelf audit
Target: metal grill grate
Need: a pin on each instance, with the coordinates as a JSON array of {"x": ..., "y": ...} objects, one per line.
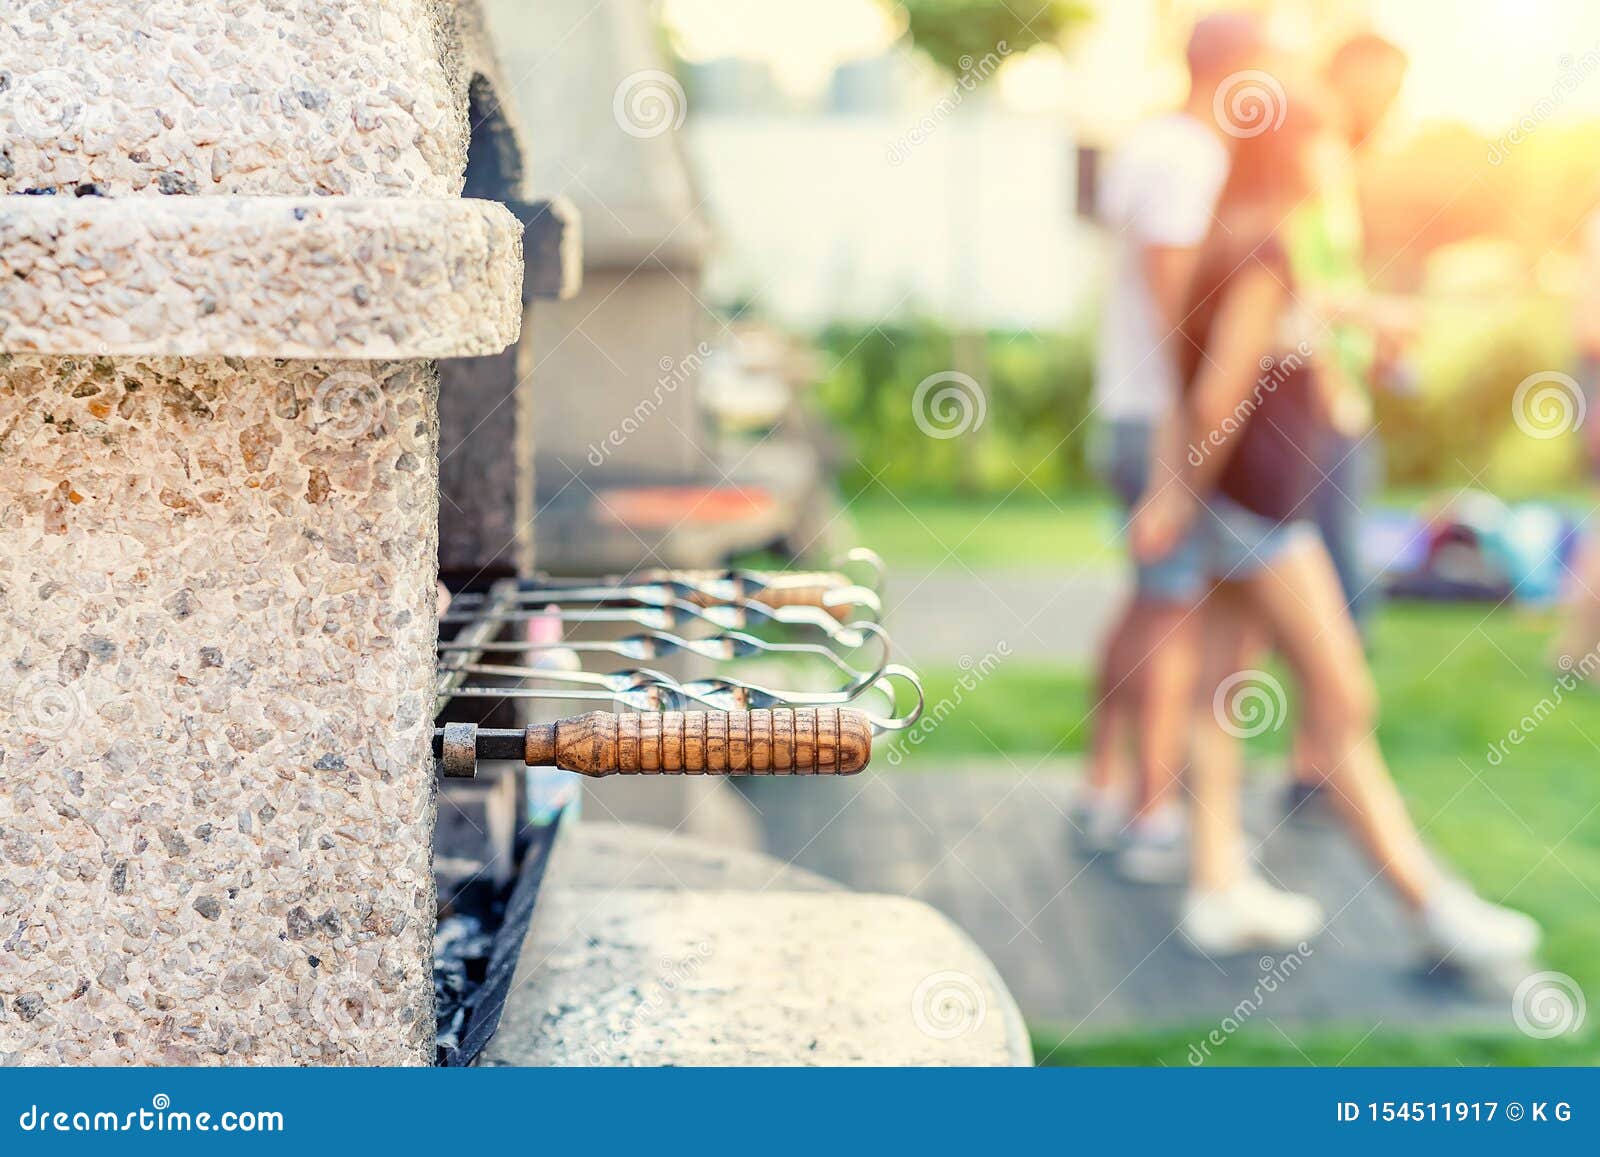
[{"x": 643, "y": 720}]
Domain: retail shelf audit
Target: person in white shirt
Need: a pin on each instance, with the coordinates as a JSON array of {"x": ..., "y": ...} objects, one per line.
[{"x": 1156, "y": 203}]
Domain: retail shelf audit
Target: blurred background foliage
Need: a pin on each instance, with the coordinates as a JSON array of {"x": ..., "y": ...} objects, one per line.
[
  {"x": 950, "y": 30},
  {"x": 1036, "y": 409},
  {"x": 1455, "y": 427},
  {"x": 1458, "y": 425}
]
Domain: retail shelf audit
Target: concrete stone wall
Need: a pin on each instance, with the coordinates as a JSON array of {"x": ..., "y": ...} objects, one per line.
[
  {"x": 616, "y": 376},
  {"x": 346, "y": 97},
  {"x": 217, "y": 573},
  {"x": 216, "y": 632},
  {"x": 617, "y": 367}
]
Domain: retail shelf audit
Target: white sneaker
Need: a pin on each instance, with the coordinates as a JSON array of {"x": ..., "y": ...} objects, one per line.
[
  {"x": 1156, "y": 849},
  {"x": 1098, "y": 817},
  {"x": 1250, "y": 916},
  {"x": 1463, "y": 928}
]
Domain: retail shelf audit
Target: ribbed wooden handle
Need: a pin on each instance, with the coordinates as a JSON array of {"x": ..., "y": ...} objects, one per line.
[
  {"x": 806, "y": 596},
  {"x": 799, "y": 741},
  {"x": 788, "y": 578},
  {"x": 799, "y": 589}
]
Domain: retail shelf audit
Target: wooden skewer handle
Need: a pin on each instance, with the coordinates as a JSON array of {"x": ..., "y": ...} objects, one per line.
[
  {"x": 806, "y": 596},
  {"x": 799, "y": 589},
  {"x": 798, "y": 741},
  {"x": 787, "y": 578}
]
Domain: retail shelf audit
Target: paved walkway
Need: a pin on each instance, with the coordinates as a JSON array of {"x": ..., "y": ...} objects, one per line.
[
  {"x": 939, "y": 616},
  {"x": 1087, "y": 954}
]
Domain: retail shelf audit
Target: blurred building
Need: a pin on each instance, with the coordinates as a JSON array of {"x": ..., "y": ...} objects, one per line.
[
  {"x": 897, "y": 195},
  {"x": 975, "y": 228}
]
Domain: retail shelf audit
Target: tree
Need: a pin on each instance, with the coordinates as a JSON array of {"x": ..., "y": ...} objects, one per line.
[{"x": 954, "y": 33}]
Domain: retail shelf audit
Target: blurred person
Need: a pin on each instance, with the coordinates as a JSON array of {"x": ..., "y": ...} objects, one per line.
[
  {"x": 1159, "y": 190},
  {"x": 1325, "y": 237},
  {"x": 1580, "y": 635},
  {"x": 1365, "y": 75},
  {"x": 1325, "y": 241},
  {"x": 1245, "y": 480}
]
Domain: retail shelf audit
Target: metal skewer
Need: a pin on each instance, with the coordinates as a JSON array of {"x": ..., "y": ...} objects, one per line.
[
  {"x": 834, "y": 590},
  {"x": 840, "y": 602},
  {"x": 662, "y": 613},
  {"x": 864, "y": 558},
  {"x": 650, "y": 646},
  {"x": 647, "y": 697},
  {"x": 744, "y": 581},
  {"x": 626, "y": 687},
  {"x": 734, "y": 695}
]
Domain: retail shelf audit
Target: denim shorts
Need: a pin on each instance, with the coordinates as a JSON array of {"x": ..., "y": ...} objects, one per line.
[
  {"x": 1125, "y": 464},
  {"x": 1240, "y": 543},
  {"x": 1227, "y": 541}
]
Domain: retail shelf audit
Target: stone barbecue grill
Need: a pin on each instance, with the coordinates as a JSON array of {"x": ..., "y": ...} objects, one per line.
[
  {"x": 244, "y": 242},
  {"x": 243, "y": 247}
]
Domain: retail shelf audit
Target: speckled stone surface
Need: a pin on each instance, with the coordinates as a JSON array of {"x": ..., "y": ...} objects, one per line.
[
  {"x": 604, "y": 856},
  {"x": 647, "y": 977},
  {"x": 216, "y": 631},
  {"x": 299, "y": 277},
  {"x": 345, "y": 97},
  {"x": 217, "y": 575}
]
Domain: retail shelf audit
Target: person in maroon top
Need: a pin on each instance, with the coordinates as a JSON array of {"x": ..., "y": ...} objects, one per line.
[{"x": 1252, "y": 414}]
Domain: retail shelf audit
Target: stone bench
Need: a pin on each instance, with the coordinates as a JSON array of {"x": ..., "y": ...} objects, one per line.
[{"x": 653, "y": 949}]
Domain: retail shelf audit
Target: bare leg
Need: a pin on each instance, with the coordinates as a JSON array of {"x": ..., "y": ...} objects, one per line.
[
  {"x": 1114, "y": 698},
  {"x": 1216, "y": 827},
  {"x": 1300, "y": 598},
  {"x": 1228, "y": 907},
  {"x": 1168, "y": 671},
  {"x": 1145, "y": 686}
]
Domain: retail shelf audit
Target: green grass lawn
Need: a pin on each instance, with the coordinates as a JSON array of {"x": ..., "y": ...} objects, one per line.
[
  {"x": 1028, "y": 529},
  {"x": 1454, "y": 681},
  {"x": 1025, "y": 530}
]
